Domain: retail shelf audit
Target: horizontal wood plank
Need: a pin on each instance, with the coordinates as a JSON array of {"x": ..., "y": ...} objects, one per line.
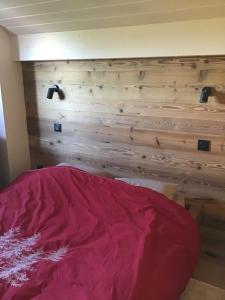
[
  {"x": 159, "y": 139},
  {"x": 140, "y": 116}
]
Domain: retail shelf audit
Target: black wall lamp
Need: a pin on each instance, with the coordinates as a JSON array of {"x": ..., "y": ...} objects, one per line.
[
  {"x": 205, "y": 93},
  {"x": 53, "y": 89}
]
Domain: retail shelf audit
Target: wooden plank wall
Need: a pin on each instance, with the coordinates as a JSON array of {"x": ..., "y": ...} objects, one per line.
[{"x": 139, "y": 117}]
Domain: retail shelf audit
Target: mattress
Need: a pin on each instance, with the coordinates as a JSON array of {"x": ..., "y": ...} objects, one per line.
[{"x": 68, "y": 234}]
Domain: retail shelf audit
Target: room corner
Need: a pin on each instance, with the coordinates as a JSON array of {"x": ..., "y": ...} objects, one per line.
[{"x": 15, "y": 156}]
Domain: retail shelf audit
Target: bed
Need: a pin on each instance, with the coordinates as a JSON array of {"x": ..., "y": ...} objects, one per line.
[{"x": 68, "y": 234}]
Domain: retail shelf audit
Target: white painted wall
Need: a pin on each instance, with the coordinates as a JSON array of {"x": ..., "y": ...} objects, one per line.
[
  {"x": 14, "y": 150},
  {"x": 4, "y": 166},
  {"x": 196, "y": 37}
]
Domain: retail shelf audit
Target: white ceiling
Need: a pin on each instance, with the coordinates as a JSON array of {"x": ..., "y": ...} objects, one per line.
[{"x": 36, "y": 16}]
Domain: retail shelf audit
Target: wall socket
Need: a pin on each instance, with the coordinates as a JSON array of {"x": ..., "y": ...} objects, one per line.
[{"x": 204, "y": 145}]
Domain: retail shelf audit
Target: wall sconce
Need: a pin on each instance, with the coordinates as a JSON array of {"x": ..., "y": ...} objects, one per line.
[
  {"x": 53, "y": 89},
  {"x": 205, "y": 93}
]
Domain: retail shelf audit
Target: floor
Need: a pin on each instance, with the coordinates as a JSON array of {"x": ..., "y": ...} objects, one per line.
[{"x": 208, "y": 281}]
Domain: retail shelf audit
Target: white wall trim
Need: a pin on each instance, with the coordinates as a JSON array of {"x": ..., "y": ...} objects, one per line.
[{"x": 187, "y": 38}]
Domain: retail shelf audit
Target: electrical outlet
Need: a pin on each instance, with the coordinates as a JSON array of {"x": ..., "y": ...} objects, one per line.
[
  {"x": 204, "y": 145},
  {"x": 57, "y": 127}
]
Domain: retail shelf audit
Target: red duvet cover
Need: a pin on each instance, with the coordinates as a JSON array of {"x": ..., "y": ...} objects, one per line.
[{"x": 67, "y": 234}]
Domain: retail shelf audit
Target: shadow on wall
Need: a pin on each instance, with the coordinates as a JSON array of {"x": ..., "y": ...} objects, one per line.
[
  {"x": 30, "y": 95},
  {"x": 4, "y": 167},
  {"x": 4, "y": 163}
]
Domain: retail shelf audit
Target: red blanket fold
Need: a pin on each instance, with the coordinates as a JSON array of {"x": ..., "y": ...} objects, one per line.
[{"x": 67, "y": 234}]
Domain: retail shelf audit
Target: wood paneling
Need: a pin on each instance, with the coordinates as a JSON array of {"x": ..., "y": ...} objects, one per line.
[
  {"x": 139, "y": 117},
  {"x": 210, "y": 215},
  {"x": 23, "y": 16}
]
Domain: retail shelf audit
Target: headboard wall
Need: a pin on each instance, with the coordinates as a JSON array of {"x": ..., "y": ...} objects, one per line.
[{"x": 140, "y": 117}]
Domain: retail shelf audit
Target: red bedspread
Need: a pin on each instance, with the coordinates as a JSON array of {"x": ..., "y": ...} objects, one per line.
[{"x": 66, "y": 234}]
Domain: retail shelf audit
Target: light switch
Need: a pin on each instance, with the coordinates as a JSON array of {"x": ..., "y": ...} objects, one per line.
[
  {"x": 57, "y": 127},
  {"x": 204, "y": 145}
]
